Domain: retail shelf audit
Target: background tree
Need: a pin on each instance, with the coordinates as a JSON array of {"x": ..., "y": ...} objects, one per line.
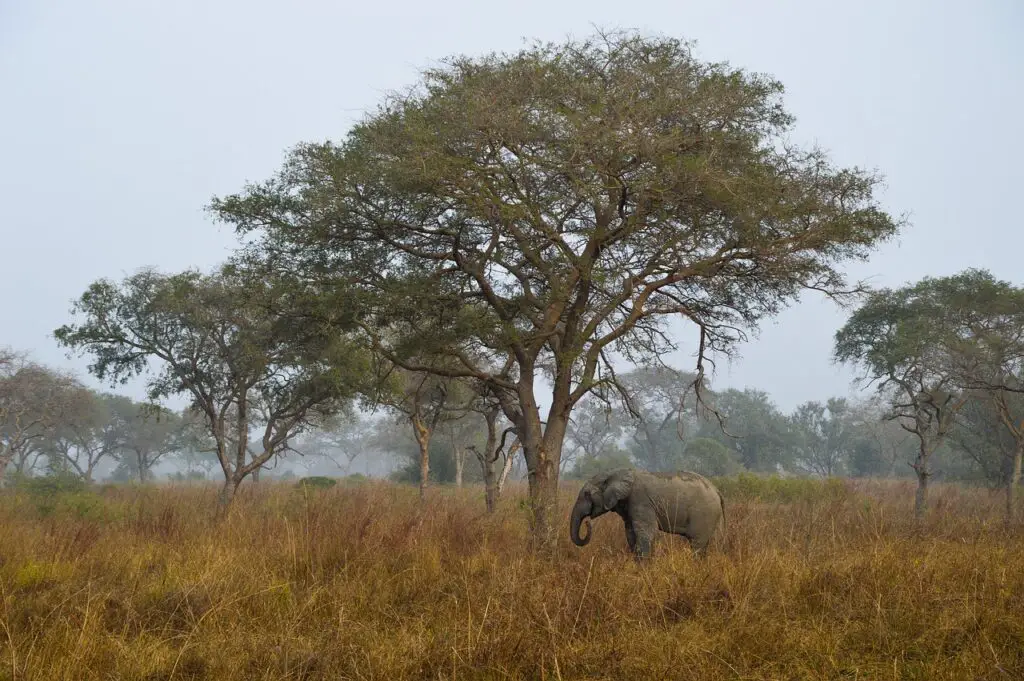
[
  {"x": 594, "y": 431},
  {"x": 710, "y": 457},
  {"x": 760, "y": 434},
  {"x": 426, "y": 399},
  {"x": 234, "y": 344},
  {"x": 33, "y": 401},
  {"x": 824, "y": 436},
  {"x": 983, "y": 441},
  {"x": 659, "y": 423},
  {"x": 561, "y": 204},
  {"x": 151, "y": 433},
  {"x": 341, "y": 439},
  {"x": 94, "y": 429},
  {"x": 496, "y": 455},
  {"x": 924, "y": 347}
]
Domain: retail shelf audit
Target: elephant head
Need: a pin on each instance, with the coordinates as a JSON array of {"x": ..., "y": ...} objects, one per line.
[{"x": 600, "y": 494}]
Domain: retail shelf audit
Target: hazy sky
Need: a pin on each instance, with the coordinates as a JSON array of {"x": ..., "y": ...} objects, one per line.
[{"x": 119, "y": 121}]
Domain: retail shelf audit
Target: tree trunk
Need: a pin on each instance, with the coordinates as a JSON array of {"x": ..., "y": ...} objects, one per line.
[
  {"x": 510, "y": 461},
  {"x": 140, "y": 459},
  {"x": 460, "y": 461},
  {"x": 227, "y": 495},
  {"x": 490, "y": 487},
  {"x": 923, "y": 472},
  {"x": 542, "y": 458},
  {"x": 422, "y": 433},
  {"x": 1013, "y": 483}
]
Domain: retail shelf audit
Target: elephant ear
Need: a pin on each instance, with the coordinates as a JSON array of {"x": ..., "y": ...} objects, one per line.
[{"x": 615, "y": 491}]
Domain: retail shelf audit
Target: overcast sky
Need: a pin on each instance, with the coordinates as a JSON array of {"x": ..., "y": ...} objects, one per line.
[{"x": 119, "y": 121}]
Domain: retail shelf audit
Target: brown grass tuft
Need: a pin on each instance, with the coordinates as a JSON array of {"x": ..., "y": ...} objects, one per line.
[{"x": 811, "y": 581}]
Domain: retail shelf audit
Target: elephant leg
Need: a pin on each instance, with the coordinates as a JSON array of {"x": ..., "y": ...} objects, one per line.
[
  {"x": 630, "y": 534},
  {"x": 645, "y": 524},
  {"x": 699, "y": 547}
]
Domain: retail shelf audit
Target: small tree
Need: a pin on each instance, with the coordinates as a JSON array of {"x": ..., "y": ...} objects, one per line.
[
  {"x": 562, "y": 204},
  {"x": 233, "y": 343},
  {"x": 151, "y": 433},
  {"x": 425, "y": 400}
]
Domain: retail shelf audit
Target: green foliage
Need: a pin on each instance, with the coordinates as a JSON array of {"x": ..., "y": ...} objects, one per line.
[
  {"x": 757, "y": 430},
  {"x": 65, "y": 495},
  {"x": 710, "y": 457},
  {"x": 316, "y": 482},
  {"x": 775, "y": 489},
  {"x": 607, "y": 459},
  {"x": 51, "y": 485},
  {"x": 240, "y": 345},
  {"x": 540, "y": 212}
]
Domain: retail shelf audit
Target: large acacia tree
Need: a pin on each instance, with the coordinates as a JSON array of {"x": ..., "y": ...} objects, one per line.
[{"x": 562, "y": 204}]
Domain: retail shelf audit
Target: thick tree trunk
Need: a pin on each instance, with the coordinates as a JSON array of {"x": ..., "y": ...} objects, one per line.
[
  {"x": 227, "y": 495},
  {"x": 542, "y": 465},
  {"x": 1013, "y": 483}
]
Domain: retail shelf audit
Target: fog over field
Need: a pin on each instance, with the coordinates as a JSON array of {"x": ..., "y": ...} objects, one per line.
[{"x": 124, "y": 118}]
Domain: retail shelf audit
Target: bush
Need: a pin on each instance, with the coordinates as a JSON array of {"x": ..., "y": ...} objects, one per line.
[{"x": 316, "y": 482}]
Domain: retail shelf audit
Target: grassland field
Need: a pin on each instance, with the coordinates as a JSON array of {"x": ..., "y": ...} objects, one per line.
[{"x": 812, "y": 580}]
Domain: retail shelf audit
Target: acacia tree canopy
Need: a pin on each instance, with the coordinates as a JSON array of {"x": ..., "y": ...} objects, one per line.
[
  {"x": 550, "y": 209},
  {"x": 929, "y": 345},
  {"x": 236, "y": 345}
]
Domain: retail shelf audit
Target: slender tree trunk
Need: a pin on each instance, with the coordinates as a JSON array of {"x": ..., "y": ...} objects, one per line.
[
  {"x": 424, "y": 468},
  {"x": 140, "y": 459},
  {"x": 490, "y": 486},
  {"x": 422, "y": 433},
  {"x": 1014, "y": 482},
  {"x": 923, "y": 471},
  {"x": 460, "y": 461},
  {"x": 921, "y": 495},
  {"x": 510, "y": 461}
]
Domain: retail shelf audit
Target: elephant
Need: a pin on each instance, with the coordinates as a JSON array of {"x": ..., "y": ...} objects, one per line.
[{"x": 682, "y": 503}]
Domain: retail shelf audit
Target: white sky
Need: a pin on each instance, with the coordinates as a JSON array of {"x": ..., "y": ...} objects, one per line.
[{"x": 119, "y": 121}]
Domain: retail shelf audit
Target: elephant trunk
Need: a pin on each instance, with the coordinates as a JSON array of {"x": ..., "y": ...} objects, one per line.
[{"x": 579, "y": 513}]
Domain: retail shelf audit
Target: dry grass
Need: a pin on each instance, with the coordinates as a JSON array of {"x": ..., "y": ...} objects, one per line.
[{"x": 363, "y": 583}]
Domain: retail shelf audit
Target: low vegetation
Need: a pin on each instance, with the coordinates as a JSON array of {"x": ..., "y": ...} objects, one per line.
[{"x": 823, "y": 580}]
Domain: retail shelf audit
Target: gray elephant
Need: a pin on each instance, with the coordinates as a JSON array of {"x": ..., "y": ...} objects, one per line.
[{"x": 682, "y": 503}]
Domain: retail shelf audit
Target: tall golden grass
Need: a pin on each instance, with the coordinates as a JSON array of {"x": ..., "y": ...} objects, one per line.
[{"x": 811, "y": 581}]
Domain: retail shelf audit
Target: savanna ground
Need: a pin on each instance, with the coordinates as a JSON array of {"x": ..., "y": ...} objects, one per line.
[{"x": 813, "y": 581}]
